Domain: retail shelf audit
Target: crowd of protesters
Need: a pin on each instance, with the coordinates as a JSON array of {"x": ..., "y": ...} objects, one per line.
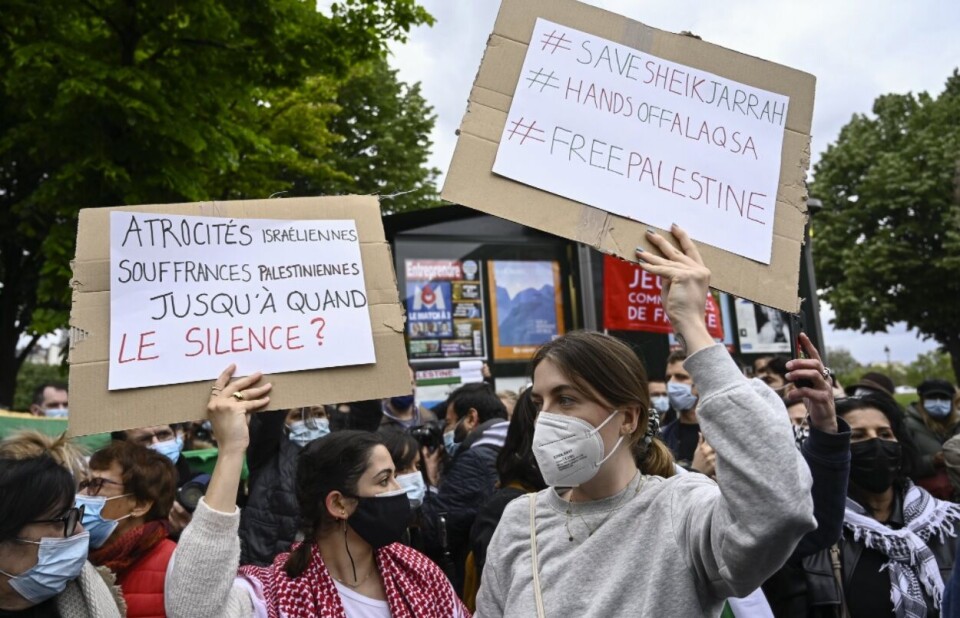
[{"x": 599, "y": 490}]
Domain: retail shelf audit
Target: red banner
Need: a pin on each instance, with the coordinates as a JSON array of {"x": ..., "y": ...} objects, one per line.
[{"x": 631, "y": 301}]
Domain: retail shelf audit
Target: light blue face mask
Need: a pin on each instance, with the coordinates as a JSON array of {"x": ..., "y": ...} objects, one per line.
[
  {"x": 170, "y": 448},
  {"x": 681, "y": 396},
  {"x": 57, "y": 413},
  {"x": 59, "y": 561},
  {"x": 99, "y": 528},
  {"x": 302, "y": 434},
  {"x": 449, "y": 443},
  {"x": 661, "y": 403},
  {"x": 937, "y": 408}
]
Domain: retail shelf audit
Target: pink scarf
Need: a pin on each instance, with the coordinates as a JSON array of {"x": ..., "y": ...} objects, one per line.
[{"x": 415, "y": 587}]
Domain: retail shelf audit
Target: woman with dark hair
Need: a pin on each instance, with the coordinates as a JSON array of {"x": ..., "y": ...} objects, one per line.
[
  {"x": 352, "y": 513},
  {"x": 126, "y": 502},
  {"x": 611, "y": 538},
  {"x": 405, "y": 452},
  {"x": 899, "y": 542},
  {"x": 518, "y": 475},
  {"x": 43, "y": 547}
]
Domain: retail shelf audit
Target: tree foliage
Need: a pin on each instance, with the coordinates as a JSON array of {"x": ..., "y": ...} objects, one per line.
[
  {"x": 108, "y": 102},
  {"x": 933, "y": 364},
  {"x": 888, "y": 239}
]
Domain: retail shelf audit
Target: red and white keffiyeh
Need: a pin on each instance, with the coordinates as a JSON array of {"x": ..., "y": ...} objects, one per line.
[{"x": 415, "y": 587}]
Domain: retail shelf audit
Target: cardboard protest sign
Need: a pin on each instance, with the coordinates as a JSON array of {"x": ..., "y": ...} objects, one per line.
[
  {"x": 166, "y": 296},
  {"x": 591, "y": 126},
  {"x": 631, "y": 301}
]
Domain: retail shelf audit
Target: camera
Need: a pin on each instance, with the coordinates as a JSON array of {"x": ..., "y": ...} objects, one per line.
[
  {"x": 429, "y": 434},
  {"x": 189, "y": 495}
]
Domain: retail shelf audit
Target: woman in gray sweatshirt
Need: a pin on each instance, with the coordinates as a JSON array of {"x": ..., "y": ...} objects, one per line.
[{"x": 609, "y": 539}]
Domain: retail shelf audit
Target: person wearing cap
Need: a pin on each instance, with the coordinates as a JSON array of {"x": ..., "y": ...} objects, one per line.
[
  {"x": 871, "y": 383},
  {"x": 932, "y": 421}
]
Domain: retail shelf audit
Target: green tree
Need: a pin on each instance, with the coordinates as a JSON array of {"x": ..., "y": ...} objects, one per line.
[
  {"x": 844, "y": 365},
  {"x": 31, "y": 376},
  {"x": 888, "y": 238},
  {"x": 933, "y": 364},
  {"x": 107, "y": 102}
]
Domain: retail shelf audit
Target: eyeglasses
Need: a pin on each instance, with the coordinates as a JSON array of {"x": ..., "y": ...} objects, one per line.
[
  {"x": 94, "y": 485},
  {"x": 70, "y": 519}
]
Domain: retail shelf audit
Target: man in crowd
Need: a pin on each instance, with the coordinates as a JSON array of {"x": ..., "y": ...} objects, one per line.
[
  {"x": 478, "y": 419},
  {"x": 683, "y": 434},
  {"x": 773, "y": 373},
  {"x": 871, "y": 383},
  {"x": 402, "y": 412},
  {"x": 50, "y": 400},
  {"x": 661, "y": 402}
]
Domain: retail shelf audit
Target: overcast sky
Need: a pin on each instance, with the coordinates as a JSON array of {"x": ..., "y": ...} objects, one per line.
[{"x": 856, "y": 49}]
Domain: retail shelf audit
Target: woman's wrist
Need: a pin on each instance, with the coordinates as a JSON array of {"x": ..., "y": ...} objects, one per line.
[{"x": 693, "y": 337}]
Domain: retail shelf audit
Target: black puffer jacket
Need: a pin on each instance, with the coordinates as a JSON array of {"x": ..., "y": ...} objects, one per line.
[
  {"x": 268, "y": 524},
  {"x": 466, "y": 486}
]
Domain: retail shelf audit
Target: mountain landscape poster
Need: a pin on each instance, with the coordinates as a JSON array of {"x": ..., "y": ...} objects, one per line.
[{"x": 527, "y": 308}]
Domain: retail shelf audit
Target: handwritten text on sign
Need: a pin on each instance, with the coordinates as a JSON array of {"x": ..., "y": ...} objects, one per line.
[
  {"x": 190, "y": 295},
  {"x": 646, "y": 138}
]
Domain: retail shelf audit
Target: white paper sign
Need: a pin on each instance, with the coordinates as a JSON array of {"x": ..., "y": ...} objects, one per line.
[
  {"x": 190, "y": 295},
  {"x": 646, "y": 138}
]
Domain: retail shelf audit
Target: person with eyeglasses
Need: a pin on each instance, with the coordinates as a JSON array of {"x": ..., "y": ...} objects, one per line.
[
  {"x": 127, "y": 500},
  {"x": 44, "y": 572}
]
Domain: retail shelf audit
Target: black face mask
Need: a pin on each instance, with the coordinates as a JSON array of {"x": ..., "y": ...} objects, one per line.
[
  {"x": 874, "y": 464},
  {"x": 381, "y": 521}
]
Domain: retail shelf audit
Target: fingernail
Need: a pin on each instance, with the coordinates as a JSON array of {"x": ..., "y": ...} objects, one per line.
[
  {"x": 673, "y": 225},
  {"x": 639, "y": 249},
  {"x": 641, "y": 260},
  {"x": 650, "y": 230}
]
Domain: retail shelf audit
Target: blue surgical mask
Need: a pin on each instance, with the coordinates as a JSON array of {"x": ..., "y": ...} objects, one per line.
[
  {"x": 59, "y": 561},
  {"x": 661, "y": 403},
  {"x": 681, "y": 396},
  {"x": 450, "y": 443},
  {"x": 57, "y": 413},
  {"x": 170, "y": 448},
  {"x": 413, "y": 484},
  {"x": 401, "y": 403},
  {"x": 302, "y": 434},
  {"x": 937, "y": 408},
  {"x": 99, "y": 528}
]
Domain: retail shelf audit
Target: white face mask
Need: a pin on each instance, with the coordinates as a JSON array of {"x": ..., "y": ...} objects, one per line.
[
  {"x": 569, "y": 451},
  {"x": 413, "y": 484}
]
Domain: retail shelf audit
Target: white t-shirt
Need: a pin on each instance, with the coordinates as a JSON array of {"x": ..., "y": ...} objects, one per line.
[{"x": 358, "y": 606}]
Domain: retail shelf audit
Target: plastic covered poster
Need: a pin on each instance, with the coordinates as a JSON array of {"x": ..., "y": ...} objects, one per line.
[
  {"x": 527, "y": 308},
  {"x": 445, "y": 316},
  {"x": 762, "y": 329}
]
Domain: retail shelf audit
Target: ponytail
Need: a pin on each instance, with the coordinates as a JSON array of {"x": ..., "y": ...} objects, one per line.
[
  {"x": 299, "y": 560},
  {"x": 657, "y": 460}
]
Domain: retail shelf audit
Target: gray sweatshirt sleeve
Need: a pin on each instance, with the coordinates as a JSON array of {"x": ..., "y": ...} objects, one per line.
[
  {"x": 736, "y": 541},
  {"x": 201, "y": 581}
]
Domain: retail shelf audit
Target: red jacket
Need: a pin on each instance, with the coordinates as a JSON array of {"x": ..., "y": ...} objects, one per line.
[{"x": 143, "y": 583}]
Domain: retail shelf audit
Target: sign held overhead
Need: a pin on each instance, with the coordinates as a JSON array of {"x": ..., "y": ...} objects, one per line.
[
  {"x": 166, "y": 296},
  {"x": 594, "y": 127}
]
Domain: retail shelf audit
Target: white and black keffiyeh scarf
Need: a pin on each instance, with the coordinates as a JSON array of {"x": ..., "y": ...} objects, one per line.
[{"x": 914, "y": 574}]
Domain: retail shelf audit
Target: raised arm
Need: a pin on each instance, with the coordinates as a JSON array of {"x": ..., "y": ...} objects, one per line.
[
  {"x": 826, "y": 450},
  {"x": 736, "y": 539},
  {"x": 200, "y": 582}
]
